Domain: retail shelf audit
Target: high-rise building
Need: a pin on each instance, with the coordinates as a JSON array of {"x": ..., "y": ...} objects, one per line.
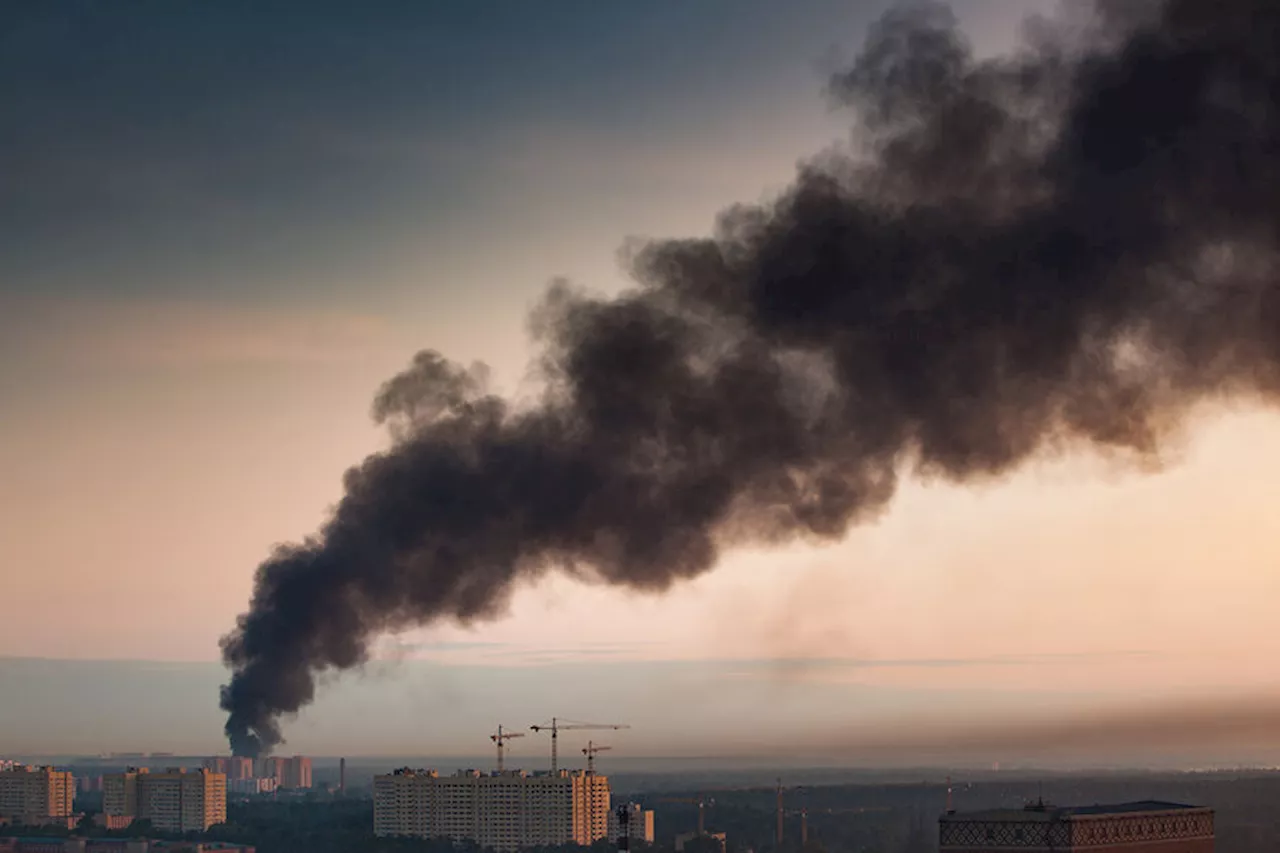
[
  {"x": 639, "y": 826},
  {"x": 120, "y": 793},
  {"x": 1141, "y": 827},
  {"x": 177, "y": 800},
  {"x": 297, "y": 772},
  {"x": 232, "y": 766},
  {"x": 292, "y": 772},
  {"x": 36, "y": 795},
  {"x": 505, "y": 811}
]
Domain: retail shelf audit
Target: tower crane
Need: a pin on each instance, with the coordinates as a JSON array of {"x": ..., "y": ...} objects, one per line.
[
  {"x": 557, "y": 725},
  {"x": 500, "y": 737},
  {"x": 590, "y": 753}
]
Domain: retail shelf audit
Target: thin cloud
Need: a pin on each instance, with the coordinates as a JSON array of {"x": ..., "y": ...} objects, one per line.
[
  {"x": 1155, "y": 727},
  {"x": 843, "y": 669},
  {"x": 167, "y": 333}
]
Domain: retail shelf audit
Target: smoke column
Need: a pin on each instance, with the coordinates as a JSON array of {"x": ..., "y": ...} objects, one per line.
[{"x": 1069, "y": 247}]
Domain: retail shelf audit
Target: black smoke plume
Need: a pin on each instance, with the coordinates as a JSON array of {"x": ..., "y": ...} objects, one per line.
[{"x": 1070, "y": 246}]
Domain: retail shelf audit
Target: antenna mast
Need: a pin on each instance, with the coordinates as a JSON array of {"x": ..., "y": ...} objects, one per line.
[{"x": 779, "y": 812}]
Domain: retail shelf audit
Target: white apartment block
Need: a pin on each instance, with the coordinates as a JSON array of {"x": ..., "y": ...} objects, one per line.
[
  {"x": 36, "y": 795},
  {"x": 639, "y": 824},
  {"x": 177, "y": 800},
  {"x": 505, "y": 811}
]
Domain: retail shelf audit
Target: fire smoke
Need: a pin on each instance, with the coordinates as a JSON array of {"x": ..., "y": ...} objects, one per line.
[{"x": 1067, "y": 247}]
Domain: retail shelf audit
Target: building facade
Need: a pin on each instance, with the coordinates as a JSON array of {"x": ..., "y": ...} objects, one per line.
[
  {"x": 233, "y": 766},
  {"x": 505, "y": 811},
  {"x": 639, "y": 826},
  {"x": 251, "y": 787},
  {"x": 177, "y": 800},
  {"x": 36, "y": 795},
  {"x": 294, "y": 772},
  {"x": 1142, "y": 827}
]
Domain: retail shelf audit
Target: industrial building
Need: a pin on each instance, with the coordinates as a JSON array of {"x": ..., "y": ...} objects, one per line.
[
  {"x": 639, "y": 825},
  {"x": 36, "y": 795},
  {"x": 1141, "y": 827},
  {"x": 506, "y": 810},
  {"x": 177, "y": 800}
]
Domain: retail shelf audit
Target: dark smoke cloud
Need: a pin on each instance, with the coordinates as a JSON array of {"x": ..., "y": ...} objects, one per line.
[{"x": 1072, "y": 246}]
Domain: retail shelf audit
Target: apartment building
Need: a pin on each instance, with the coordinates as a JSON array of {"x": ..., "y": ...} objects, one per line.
[
  {"x": 120, "y": 793},
  {"x": 177, "y": 800},
  {"x": 639, "y": 825},
  {"x": 36, "y": 795},
  {"x": 505, "y": 811},
  {"x": 294, "y": 772},
  {"x": 233, "y": 767}
]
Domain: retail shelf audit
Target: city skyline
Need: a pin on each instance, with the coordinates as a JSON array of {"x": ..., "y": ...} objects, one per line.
[{"x": 191, "y": 339}]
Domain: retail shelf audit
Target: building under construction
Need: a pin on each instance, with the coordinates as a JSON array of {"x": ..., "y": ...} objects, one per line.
[{"x": 505, "y": 810}]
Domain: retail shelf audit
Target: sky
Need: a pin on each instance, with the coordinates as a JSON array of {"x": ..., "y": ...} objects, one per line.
[{"x": 222, "y": 226}]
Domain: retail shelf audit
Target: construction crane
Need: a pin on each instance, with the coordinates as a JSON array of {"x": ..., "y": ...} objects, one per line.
[
  {"x": 500, "y": 737},
  {"x": 557, "y": 725},
  {"x": 700, "y": 802},
  {"x": 590, "y": 752},
  {"x": 589, "y": 784}
]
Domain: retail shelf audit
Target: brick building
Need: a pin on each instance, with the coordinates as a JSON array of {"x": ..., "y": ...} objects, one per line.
[{"x": 1141, "y": 827}]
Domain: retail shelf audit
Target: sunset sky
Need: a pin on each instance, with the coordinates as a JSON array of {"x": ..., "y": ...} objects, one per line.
[{"x": 223, "y": 225}]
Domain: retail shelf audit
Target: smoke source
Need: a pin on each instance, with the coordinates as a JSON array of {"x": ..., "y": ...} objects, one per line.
[{"x": 1070, "y": 246}]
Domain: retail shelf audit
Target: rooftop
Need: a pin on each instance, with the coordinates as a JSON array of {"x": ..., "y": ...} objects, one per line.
[{"x": 1037, "y": 812}]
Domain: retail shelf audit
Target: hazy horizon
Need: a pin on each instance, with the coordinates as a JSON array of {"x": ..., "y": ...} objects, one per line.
[{"x": 219, "y": 241}]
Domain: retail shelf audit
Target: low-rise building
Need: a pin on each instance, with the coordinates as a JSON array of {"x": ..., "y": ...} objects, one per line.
[
  {"x": 252, "y": 786},
  {"x": 115, "y": 845},
  {"x": 720, "y": 838},
  {"x": 1139, "y": 827}
]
